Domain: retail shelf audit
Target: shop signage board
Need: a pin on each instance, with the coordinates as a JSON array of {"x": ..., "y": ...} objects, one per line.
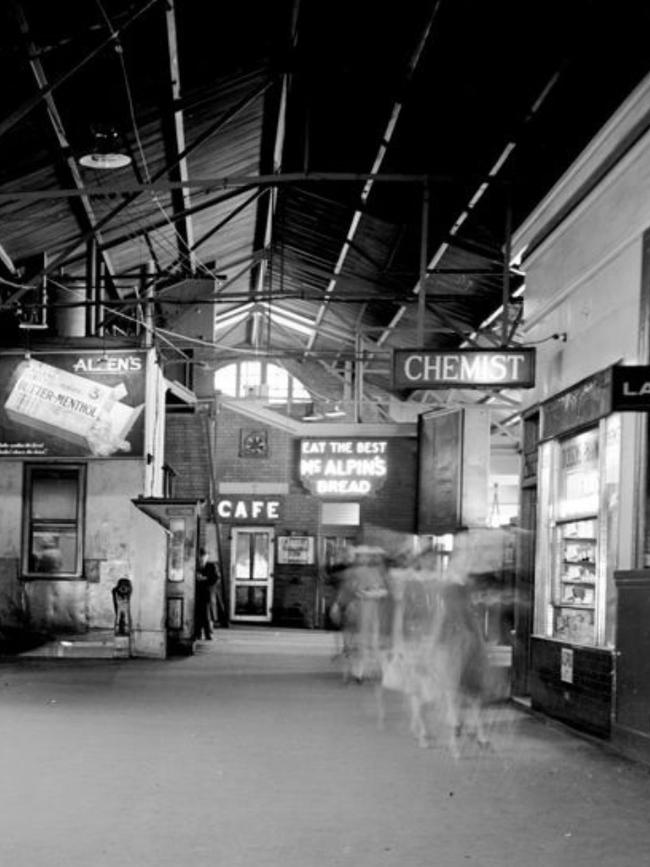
[
  {"x": 582, "y": 404},
  {"x": 249, "y": 509},
  {"x": 343, "y": 467},
  {"x": 82, "y": 405},
  {"x": 631, "y": 388},
  {"x": 463, "y": 368}
]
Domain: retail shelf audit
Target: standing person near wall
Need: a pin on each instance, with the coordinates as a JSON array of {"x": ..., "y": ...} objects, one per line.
[
  {"x": 205, "y": 578},
  {"x": 218, "y": 609}
]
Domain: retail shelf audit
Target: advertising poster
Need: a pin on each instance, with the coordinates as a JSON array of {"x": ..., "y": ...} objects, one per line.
[
  {"x": 339, "y": 467},
  {"x": 81, "y": 405}
]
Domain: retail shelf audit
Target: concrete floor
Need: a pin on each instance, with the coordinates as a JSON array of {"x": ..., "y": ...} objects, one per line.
[{"x": 253, "y": 753}]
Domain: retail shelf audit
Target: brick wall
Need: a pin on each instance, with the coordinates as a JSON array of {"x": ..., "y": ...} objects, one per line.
[
  {"x": 297, "y": 589},
  {"x": 186, "y": 451},
  {"x": 586, "y": 703}
]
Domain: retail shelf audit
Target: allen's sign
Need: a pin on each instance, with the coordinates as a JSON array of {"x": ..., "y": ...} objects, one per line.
[
  {"x": 338, "y": 467},
  {"x": 463, "y": 368},
  {"x": 85, "y": 405},
  {"x": 630, "y": 388}
]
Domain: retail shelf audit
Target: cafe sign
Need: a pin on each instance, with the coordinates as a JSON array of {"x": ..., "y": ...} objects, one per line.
[
  {"x": 343, "y": 467},
  {"x": 248, "y": 509},
  {"x": 463, "y": 368}
]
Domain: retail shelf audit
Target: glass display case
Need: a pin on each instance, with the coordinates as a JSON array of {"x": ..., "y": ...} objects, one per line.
[{"x": 574, "y": 597}]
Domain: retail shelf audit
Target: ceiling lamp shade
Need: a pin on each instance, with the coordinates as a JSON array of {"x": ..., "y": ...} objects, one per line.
[{"x": 106, "y": 151}]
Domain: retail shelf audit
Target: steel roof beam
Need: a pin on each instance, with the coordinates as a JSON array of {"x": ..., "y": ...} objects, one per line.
[
  {"x": 175, "y": 142},
  {"x": 21, "y": 112},
  {"x": 162, "y": 222},
  {"x": 385, "y": 141},
  {"x": 58, "y": 129},
  {"x": 138, "y": 189}
]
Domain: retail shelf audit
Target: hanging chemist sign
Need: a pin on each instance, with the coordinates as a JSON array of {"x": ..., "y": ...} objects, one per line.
[
  {"x": 343, "y": 467},
  {"x": 463, "y": 368}
]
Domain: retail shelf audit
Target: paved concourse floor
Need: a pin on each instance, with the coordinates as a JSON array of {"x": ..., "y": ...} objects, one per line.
[{"x": 253, "y": 753}]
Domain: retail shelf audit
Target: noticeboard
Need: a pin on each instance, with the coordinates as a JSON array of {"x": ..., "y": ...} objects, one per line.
[{"x": 295, "y": 550}]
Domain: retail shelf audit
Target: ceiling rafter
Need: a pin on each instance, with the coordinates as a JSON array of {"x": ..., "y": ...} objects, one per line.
[
  {"x": 139, "y": 189},
  {"x": 484, "y": 186},
  {"x": 88, "y": 223},
  {"x": 153, "y": 225},
  {"x": 378, "y": 160},
  {"x": 175, "y": 144},
  {"x": 22, "y": 111}
]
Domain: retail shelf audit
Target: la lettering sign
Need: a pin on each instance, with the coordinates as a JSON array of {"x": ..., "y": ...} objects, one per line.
[
  {"x": 630, "y": 388},
  {"x": 343, "y": 468},
  {"x": 463, "y": 368},
  {"x": 248, "y": 509}
]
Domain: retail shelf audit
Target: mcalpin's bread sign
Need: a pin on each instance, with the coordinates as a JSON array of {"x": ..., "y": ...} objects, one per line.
[
  {"x": 343, "y": 467},
  {"x": 49, "y": 409}
]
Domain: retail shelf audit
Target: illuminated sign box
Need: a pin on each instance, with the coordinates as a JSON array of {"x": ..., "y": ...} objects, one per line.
[
  {"x": 343, "y": 467},
  {"x": 463, "y": 368}
]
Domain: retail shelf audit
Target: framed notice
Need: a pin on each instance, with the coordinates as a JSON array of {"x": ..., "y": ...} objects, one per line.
[{"x": 295, "y": 550}]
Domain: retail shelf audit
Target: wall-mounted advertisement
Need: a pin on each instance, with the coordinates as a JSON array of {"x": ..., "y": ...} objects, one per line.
[
  {"x": 81, "y": 405},
  {"x": 338, "y": 467}
]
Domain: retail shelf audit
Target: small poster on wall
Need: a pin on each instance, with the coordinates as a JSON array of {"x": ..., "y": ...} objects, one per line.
[
  {"x": 566, "y": 665},
  {"x": 295, "y": 549}
]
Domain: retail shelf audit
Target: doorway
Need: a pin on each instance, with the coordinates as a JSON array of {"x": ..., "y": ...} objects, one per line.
[{"x": 251, "y": 574}]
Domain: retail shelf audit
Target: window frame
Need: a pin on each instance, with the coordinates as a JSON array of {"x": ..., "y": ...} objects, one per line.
[{"x": 30, "y": 472}]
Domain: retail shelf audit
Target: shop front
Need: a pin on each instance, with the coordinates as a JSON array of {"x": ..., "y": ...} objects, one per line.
[
  {"x": 579, "y": 477},
  {"x": 287, "y": 515}
]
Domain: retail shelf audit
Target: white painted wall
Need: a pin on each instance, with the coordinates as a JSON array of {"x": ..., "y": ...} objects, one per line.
[{"x": 584, "y": 280}]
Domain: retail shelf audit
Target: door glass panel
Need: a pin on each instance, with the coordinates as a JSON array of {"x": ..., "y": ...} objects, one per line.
[
  {"x": 250, "y": 601},
  {"x": 260, "y": 556},
  {"x": 242, "y": 557}
]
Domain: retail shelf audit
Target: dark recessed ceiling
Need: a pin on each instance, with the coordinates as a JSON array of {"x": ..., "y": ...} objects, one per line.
[{"x": 276, "y": 113}]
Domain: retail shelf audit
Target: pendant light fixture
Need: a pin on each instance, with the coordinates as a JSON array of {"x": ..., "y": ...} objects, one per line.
[{"x": 106, "y": 151}]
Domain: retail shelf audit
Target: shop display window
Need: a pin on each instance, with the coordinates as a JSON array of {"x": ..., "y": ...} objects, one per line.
[
  {"x": 575, "y": 566},
  {"x": 574, "y": 599}
]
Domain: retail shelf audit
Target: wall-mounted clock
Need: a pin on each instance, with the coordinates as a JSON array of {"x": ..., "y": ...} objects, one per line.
[{"x": 254, "y": 444}]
